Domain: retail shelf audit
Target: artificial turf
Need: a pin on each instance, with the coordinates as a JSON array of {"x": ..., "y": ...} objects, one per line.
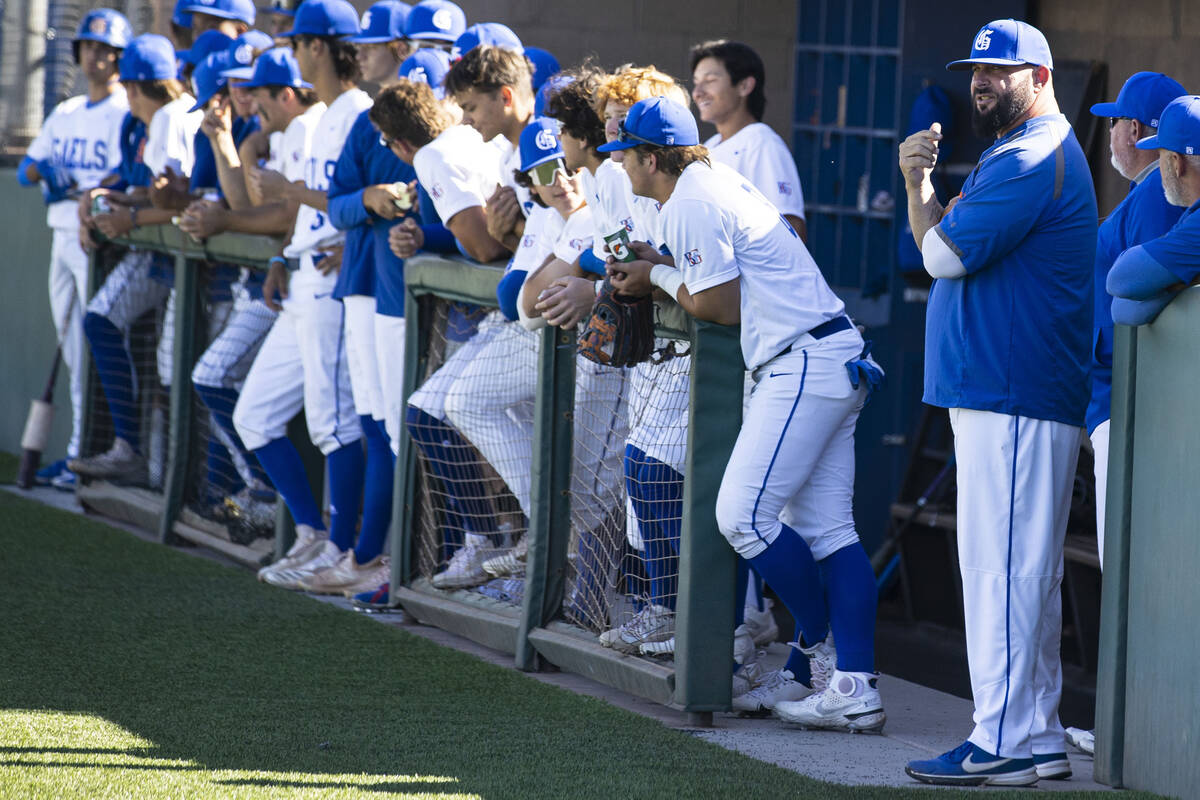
[{"x": 131, "y": 670}]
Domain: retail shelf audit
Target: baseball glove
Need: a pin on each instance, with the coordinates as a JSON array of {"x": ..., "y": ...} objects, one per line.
[{"x": 620, "y": 331}]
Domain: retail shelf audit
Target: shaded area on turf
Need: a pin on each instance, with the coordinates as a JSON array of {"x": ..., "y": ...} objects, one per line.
[{"x": 206, "y": 683}]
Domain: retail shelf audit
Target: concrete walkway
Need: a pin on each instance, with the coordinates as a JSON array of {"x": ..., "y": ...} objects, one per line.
[{"x": 922, "y": 722}]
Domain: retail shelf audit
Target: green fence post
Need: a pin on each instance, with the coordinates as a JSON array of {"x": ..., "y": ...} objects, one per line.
[
  {"x": 416, "y": 347},
  {"x": 187, "y": 298},
  {"x": 705, "y": 606},
  {"x": 1114, "y": 596},
  {"x": 550, "y": 498}
]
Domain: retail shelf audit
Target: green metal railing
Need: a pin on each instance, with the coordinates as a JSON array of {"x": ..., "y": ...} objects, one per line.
[{"x": 699, "y": 682}]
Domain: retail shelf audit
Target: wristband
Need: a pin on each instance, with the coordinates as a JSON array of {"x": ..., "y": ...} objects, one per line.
[
  {"x": 280, "y": 260},
  {"x": 667, "y": 278}
]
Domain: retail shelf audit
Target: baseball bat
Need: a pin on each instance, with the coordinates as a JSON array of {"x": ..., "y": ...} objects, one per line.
[{"x": 37, "y": 428}]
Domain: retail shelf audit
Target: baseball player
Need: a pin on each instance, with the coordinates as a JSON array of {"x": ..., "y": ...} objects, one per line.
[
  {"x": 785, "y": 502},
  {"x": 729, "y": 89},
  {"x": 1146, "y": 277},
  {"x": 435, "y": 23},
  {"x": 362, "y": 201},
  {"x": 302, "y": 363},
  {"x": 77, "y": 148},
  {"x": 231, "y": 17},
  {"x": 140, "y": 281},
  {"x": 1007, "y": 339},
  {"x": 280, "y": 16},
  {"x": 181, "y": 25},
  {"x": 459, "y": 170}
]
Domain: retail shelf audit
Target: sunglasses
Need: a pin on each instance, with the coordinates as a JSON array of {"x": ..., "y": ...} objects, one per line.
[
  {"x": 1112, "y": 121},
  {"x": 543, "y": 174},
  {"x": 623, "y": 135}
]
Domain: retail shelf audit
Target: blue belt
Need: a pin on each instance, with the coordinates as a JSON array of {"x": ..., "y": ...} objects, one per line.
[{"x": 828, "y": 328}]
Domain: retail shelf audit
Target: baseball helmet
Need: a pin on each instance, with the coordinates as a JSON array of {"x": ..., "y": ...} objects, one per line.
[{"x": 103, "y": 25}]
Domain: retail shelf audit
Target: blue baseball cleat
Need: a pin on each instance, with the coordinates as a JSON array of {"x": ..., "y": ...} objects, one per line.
[
  {"x": 969, "y": 765},
  {"x": 373, "y": 600},
  {"x": 56, "y": 475}
]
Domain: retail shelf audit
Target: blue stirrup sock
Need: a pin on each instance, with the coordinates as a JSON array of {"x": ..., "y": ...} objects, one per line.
[
  {"x": 453, "y": 461},
  {"x": 788, "y": 567},
  {"x": 220, "y": 403},
  {"x": 346, "y": 467},
  {"x": 852, "y": 596},
  {"x": 115, "y": 368},
  {"x": 656, "y": 492},
  {"x": 377, "y": 492},
  {"x": 282, "y": 463}
]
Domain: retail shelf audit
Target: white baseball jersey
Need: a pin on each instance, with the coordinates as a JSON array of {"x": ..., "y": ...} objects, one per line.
[
  {"x": 290, "y": 148},
  {"x": 759, "y": 154},
  {"x": 458, "y": 169},
  {"x": 720, "y": 228},
  {"x": 577, "y": 234},
  {"x": 510, "y": 162},
  {"x": 314, "y": 231},
  {"x": 171, "y": 136},
  {"x": 84, "y": 139},
  {"x": 542, "y": 229}
]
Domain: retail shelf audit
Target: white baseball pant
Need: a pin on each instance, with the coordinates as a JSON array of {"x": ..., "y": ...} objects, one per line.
[
  {"x": 226, "y": 361},
  {"x": 1015, "y": 477},
  {"x": 362, "y": 355},
  {"x": 302, "y": 364},
  {"x": 600, "y": 430},
  {"x": 389, "y": 351},
  {"x": 430, "y": 396},
  {"x": 793, "y": 461},
  {"x": 68, "y": 291},
  {"x": 1099, "y": 439}
]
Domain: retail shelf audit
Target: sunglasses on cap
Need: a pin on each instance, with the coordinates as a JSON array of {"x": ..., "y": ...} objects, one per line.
[
  {"x": 543, "y": 174},
  {"x": 623, "y": 135}
]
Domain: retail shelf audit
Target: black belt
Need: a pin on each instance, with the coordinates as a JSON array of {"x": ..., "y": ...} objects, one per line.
[{"x": 828, "y": 328}]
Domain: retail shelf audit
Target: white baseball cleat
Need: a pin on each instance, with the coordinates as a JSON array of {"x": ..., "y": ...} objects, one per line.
[
  {"x": 777, "y": 686},
  {"x": 850, "y": 703},
  {"x": 744, "y": 650},
  {"x": 465, "y": 569},
  {"x": 509, "y": 562},
  {"x": 308, "y": 543},
  {"x": 347, "y": 575},
  {"x": 822, "y": 661},
  {"x": 661, "y": 649},
  {"x": 654, "y": 623},
  {"x": 1084, "y": 741},
  {"x": 290, "y": 577},
  {"x": 746, "y": 678},
  {"x": 762, "y": 625},
  {"x": 121, "y": 464}
]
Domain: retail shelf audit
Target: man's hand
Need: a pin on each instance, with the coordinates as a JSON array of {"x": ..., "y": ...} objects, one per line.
[
  {"x": 567, "y": 301},
  {"x": 503, "y": 212},
  {"x": 331, "y": 263},
  {"x": 630, "y": 277},
  {"x": 218, "y": 120},
  {"x": 84, "y": 209},
  {"x": 204, "y": 218},
  {"x": 170, "y": 191},
  {"x": 646, "y": 252},
  {"x": 381, "y": 200},
  {"x": 268, "y": 184},
  {"x": 116, "y": 223},
  {"x": 406, "y": 238},
  {"x": 276, "y": 282},
  {"x": 918, "y": 155}
]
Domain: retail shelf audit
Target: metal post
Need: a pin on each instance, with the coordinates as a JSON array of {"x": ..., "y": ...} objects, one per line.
[
  {"x": 187, "y": 300},
  {"x": 550, "y": 498},
  {"x": 1109, "y": 765},
  {"x": 705, "y": 606},
  {"x": 416, "y": 348}
]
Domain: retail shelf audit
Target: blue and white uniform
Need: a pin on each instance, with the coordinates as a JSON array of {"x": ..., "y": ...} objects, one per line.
[
  {"x": 760, "y": 155},
  {"x": 83, "y": 140},
  {"x": 1007, "y": 350}
]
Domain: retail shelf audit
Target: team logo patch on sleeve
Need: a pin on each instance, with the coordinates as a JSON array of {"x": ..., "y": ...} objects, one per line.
[
  {"x": 785, "y": 188},
  {"x": 436, "y": 191},
  {"x": 692, "y": 257},
  {"x": 528, "y": 240},
  {"x": 627, "y": 223}
]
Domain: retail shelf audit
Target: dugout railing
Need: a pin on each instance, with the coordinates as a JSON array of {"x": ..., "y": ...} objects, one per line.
[
  {"x": 162, "y": 504},
  {"x": 541, "y": 618}
]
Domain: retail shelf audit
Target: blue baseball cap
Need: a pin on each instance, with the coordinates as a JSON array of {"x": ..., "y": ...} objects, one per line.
[
  {"x": 149, "y": 57},
  {"x": 277, "y": 67},
  {"x": 1007, "y": 42},
  {"x": 208, "y": 78},
  {"x": 240, "y": 10},
  {"x": 427, "y": 65},
  {"x": 544, "y": 65},
  {"x": 280, "y": 7},
  {"x": 180, "y": 17},
  {"x": 242, "y": 50},
  {"x": 552, "y": 84},
  {"x": 489, "y": 34},
  {"x": 1178, "y": 127},
  {"x": 382, "y": 23},
  {"x": 1143, "y": 97},
  {"x": 324, "y": 18},
  {"x": 656, "y": 121},
  {"x": 208, "y": 42},
  {"x": 539, "y": 143},
  {"x": 435, "y": 20}
]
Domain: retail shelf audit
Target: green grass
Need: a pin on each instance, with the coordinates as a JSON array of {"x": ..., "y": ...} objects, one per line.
[
  {"x": 131, "y": 670},
  {"x": 8, "y": 467}
]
